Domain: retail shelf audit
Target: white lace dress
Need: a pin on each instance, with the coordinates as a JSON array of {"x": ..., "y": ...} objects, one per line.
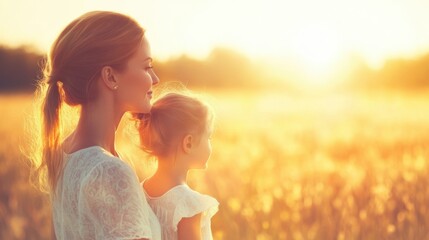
[
  {"x": 182, "y": 202},
  {"x": 99, "y": 197}
]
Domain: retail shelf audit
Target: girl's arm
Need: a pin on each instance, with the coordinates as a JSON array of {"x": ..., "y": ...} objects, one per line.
[{"x": 189, "y": 228}]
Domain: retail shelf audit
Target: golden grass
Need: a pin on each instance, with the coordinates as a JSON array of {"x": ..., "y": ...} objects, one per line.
[{"x": 343, "y": 166}]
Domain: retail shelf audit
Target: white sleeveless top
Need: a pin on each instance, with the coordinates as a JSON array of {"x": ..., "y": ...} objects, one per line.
[
  {"x": 99, "y": 197},
  {"x": 182, "y": 202}
]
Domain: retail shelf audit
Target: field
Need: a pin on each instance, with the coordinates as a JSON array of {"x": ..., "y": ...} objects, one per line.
[{"x": 338, "y": 166}]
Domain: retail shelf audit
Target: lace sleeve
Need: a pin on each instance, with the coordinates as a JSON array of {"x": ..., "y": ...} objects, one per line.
[{"x": 113, "y": 203}]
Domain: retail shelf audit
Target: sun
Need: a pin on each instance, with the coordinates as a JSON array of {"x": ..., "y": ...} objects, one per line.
[{"x": 317, "y": 52}]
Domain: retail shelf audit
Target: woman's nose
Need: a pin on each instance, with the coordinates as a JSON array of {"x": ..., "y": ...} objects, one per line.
[{"x": 155, "y": 79}]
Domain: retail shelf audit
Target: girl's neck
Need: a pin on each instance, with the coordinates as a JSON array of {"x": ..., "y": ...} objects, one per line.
[
  {"x": 96, "y": 127},
  {"x": 167, "y": 176},
  {"x": 168, "y": 170}
]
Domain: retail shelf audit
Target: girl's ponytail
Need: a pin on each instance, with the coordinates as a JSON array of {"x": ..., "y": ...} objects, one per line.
[{"x": 146, "y": 128}]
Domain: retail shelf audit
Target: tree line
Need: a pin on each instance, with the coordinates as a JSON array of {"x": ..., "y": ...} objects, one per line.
[{"x": 20, "y": 68}]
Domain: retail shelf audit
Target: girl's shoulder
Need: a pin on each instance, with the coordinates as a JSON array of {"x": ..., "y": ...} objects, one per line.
[
  {"x": 176, "y": 193},
  {"x": 182, "y": 196},
  {"x": 192, "y": 199},
  {"x": 173, "y": 193},
  {"x": 181, "y": 202},
  {"x": 191, "y": 203}
]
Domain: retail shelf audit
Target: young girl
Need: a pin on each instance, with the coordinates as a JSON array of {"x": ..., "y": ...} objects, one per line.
[{"x": 177, "y": 132}]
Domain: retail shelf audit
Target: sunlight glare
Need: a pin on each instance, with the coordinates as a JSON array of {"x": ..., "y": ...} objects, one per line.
[{"x": 317, "y": 49}]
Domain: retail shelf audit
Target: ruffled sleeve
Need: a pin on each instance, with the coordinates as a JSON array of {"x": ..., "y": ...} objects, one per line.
[
  {"x": 192, "y": 203},
  {"x": 111, "y": 197}
]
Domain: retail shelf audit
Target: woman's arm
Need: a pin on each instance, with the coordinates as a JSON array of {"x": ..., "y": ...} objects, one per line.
[
  {"x": 53, "y": 237},
  {"x": 189, "y": 228}
]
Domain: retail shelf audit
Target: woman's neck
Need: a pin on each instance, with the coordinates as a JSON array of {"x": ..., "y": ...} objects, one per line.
[{"x": 96, "y": 127}]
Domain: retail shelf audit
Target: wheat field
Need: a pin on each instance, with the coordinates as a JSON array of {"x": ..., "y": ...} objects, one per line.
[{"x": 284, "y": 166}]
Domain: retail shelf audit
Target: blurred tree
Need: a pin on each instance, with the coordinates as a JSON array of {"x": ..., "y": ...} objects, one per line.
[
  {"x": 226, "y": 68},
  {"x": 396, "y": 74},
  {"x": 408, "y": 74},
  {"x": 223, "y": 68},
  {"x": 19, "y": 69}
]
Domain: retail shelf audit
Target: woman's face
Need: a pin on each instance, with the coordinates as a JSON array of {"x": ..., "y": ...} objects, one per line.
[{"x": 135, "y": 83}]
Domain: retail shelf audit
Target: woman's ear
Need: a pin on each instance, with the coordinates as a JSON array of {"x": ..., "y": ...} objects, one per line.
[
  {"x": 108, "y": 78},
  {"x": 187, "y": 143}
]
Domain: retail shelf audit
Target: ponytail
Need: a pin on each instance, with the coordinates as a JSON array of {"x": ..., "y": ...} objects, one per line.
[
  {"x": 52, "y": 159},
  {"x": 52, "y": 155},
  {"x": 147, "y": 127}
]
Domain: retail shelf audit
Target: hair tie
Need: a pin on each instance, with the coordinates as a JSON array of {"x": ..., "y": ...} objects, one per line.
[
  {"x": 145, "y": 116},
  {"x": 53, "y": 79},
  {"x": 145, "y": 119}
]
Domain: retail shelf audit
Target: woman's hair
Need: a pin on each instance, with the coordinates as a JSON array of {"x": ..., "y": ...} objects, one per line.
[
  {"x": 90, "y": 42},
  {"x": 171, "y": 118}
]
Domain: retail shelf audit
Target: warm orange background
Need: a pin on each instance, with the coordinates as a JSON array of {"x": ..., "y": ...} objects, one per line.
[{"x": 322, "y": 123}]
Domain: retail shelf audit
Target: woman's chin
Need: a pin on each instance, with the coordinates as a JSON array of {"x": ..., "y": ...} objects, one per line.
[{"x": 145, "y": 107}]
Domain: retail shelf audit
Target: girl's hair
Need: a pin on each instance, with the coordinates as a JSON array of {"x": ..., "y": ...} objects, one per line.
[
  {"x": 171, "y": 118},
  {"x": 90, "y": 42}
]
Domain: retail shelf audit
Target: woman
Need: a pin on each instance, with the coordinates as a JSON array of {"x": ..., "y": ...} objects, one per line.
[{"x": 101, "y": 62}]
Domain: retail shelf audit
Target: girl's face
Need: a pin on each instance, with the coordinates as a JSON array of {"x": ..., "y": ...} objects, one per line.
[
  {"x": 202, "y": 151},
  {"x": 135, "y": 83}
]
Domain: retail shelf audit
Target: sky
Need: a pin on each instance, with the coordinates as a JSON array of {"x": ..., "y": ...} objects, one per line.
[{"x": 315, "y": 33}]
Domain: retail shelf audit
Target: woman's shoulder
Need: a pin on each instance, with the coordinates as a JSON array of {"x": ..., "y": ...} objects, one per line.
[
  {"x": 94, "y": 155},
  {"x": 97, "y": 160}
]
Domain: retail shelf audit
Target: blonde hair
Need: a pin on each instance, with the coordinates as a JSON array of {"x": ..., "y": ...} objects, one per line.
[
  {"x": 172, "y": 117},
  {"x": 90, "y": 42}
]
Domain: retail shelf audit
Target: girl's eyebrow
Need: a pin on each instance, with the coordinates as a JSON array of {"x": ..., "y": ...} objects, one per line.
[{"x": 148, "y": 59}]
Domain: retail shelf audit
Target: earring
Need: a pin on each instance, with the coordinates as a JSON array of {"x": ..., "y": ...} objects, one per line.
[{"x": 115, "y": 87}]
